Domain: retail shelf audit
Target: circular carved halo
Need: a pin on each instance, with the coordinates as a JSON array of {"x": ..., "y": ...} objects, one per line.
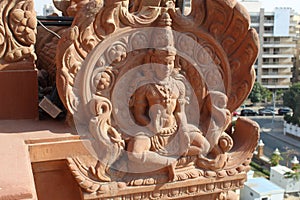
[{"x": 110, "y": 60}]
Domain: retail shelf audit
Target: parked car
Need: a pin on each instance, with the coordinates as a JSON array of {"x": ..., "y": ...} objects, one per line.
[
  {"x": 266, "y": 111},
  {"x": 270, "y": 108},
  {"x": 235, "y": 113},
  {"x": 284, "y": 111},
  {"x": 248, "y": 112}
]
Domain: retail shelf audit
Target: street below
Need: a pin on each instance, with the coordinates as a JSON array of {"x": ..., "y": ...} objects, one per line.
[{"x": 271, "y": 133}]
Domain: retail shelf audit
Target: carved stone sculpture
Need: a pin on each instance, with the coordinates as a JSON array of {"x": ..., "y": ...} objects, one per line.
[
  {"x": 153, "y": 91},
  {"x": 69, "y": 7},
  {"x": 17, "y": 35},
  {"x": 17, "y": 60}
]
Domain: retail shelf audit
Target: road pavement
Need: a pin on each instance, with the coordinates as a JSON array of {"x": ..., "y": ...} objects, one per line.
[{"x": 271, "y": 132}]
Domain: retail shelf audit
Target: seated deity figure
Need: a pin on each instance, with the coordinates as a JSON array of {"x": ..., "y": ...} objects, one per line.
[{"x": 160, "y": 107}]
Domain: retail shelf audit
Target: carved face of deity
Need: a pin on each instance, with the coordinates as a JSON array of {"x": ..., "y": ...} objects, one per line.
[{"x": 163, "y": 66}]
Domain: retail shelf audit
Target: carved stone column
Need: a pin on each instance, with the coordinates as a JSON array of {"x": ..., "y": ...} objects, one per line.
[
  {"x": 18, "y": 76},
  {"x": 260, "y": 149}
]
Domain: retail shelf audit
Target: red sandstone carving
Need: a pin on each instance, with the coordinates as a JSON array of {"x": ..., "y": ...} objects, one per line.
[
  {"x": 17, "y": 34},
  {"x": 153, "y": 91}
]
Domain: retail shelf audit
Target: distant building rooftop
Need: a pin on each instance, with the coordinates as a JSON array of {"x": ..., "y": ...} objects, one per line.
[
  {"x": 281, "y": 169},
  {"x": 263, "y": 186}
]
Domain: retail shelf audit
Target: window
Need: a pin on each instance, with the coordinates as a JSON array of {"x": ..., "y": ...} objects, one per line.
[
  {"x": 254, "y": 19},
  {"x": 267, "y": 40},
  {"x": 268, "y": 18},
  {"x": 269, "y": 29},
  {"x": 265, "y": 71},
  {"x": 275, "y": 60},
  {"x": 276, "y": 50},
  {"x": 264, "y": 81},
  {"x": 266, "y": 50},
  {"x": 264, "y": 198},
  {"x": 275, "y": 71}
]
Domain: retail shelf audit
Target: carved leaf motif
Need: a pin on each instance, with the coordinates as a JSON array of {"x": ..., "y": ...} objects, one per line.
[
  {"x": 2, "y": 40},
  {"x": 17, "y": 31},
  {"x": 88, "y": 40},
  {"x": 23, "y": 22},
  {"x": 219, "y": 15},
  {"x": 117, "y": 53},
  {"x": 17, "y": 15},
  {"x": 104, "y": 80},
  {"x": 138, "y": 40},
  {"x": 187, "y": 44}
]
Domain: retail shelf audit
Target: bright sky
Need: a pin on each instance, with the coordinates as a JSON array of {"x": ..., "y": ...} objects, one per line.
[{"x": 269, "y": 5}]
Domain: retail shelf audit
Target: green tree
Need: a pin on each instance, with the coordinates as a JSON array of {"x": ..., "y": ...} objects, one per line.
[
  {"x": 295, "y": 174},
  {"x": 291, "y": 98},
  {"x": 276, "y": 158},
  {"x": 266, "y": 94},
  {"x": 259, "y": 93},
  {"x": 255, "y": 95},
  {"x": 279, "y": 94}
]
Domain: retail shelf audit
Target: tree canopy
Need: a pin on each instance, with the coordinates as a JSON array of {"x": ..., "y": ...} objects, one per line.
[
  {"x": 291, "y": 98},
  {"x": 259, "y": 93}
]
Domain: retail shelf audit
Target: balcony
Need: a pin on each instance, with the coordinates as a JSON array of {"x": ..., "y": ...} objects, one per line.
[
  {"x": 271, "y": 42},
  {"x": 277, "y": 65},
  {"x": 278, "y": 76},
  {"x": 276, "y": 86},
  {"x": 279, "y": 45},
  {"x": 269, "y": 55},
  {"x": 277, "y": 72},
  {"x": 254, "y": 24},
  {"x": 269, "y": 22}
]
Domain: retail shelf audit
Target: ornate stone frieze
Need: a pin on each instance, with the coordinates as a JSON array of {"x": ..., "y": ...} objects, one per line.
[
  {"x": 153, "y": 90},
  {"x": 17, "y": 34}
]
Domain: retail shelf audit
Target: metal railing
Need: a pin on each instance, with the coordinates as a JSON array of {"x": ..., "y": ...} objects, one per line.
[{"x": 55, "y": 20}]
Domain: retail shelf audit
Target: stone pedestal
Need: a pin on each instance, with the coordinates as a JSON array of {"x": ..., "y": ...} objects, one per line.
[
  {"x": 19, "y": 94},
  {"x": 260, "y": 149},
  {"x": 18, "y": 77}
]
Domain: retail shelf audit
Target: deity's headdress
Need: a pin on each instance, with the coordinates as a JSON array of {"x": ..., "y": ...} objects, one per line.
[{"x": 162, "y": 39}]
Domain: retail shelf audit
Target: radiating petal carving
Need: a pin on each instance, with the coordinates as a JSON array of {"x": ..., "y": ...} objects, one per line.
[{"x": 17, "y": 33}]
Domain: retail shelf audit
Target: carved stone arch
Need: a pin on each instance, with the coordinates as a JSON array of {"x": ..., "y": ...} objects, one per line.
[
  {"x": 104, "y": 64},
  {"x": 204, "y": 68}
]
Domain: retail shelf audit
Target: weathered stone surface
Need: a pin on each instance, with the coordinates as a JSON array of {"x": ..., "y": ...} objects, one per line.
[
  {"x": 154, "y": 91},
  {"x": 18, "y": 77},
  {"x": 16, "y": 175},
  {"x": 151, "y": 93},
  {"x": 17, "y": 34}
]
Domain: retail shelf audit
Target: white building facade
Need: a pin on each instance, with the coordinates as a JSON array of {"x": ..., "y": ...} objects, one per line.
[
  {"x": 290, "y": 185},
  {"x": 278, "y": 34},
  {"x": 261, "y": 189},
  {"x": 278, "y": 38}
]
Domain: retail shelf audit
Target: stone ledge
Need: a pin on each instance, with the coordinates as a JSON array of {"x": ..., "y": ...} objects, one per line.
[{"x": 16, "y": 178}]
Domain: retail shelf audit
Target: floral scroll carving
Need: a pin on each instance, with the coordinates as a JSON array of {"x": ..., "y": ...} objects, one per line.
[
  {"x": 153, "y": 90},
  {"x": 17, "y": 34}
]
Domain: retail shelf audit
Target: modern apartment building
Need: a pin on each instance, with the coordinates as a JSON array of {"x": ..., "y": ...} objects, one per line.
[
  {"x": 296, "y": 71},
  {"x": 278, "y": 38}
]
